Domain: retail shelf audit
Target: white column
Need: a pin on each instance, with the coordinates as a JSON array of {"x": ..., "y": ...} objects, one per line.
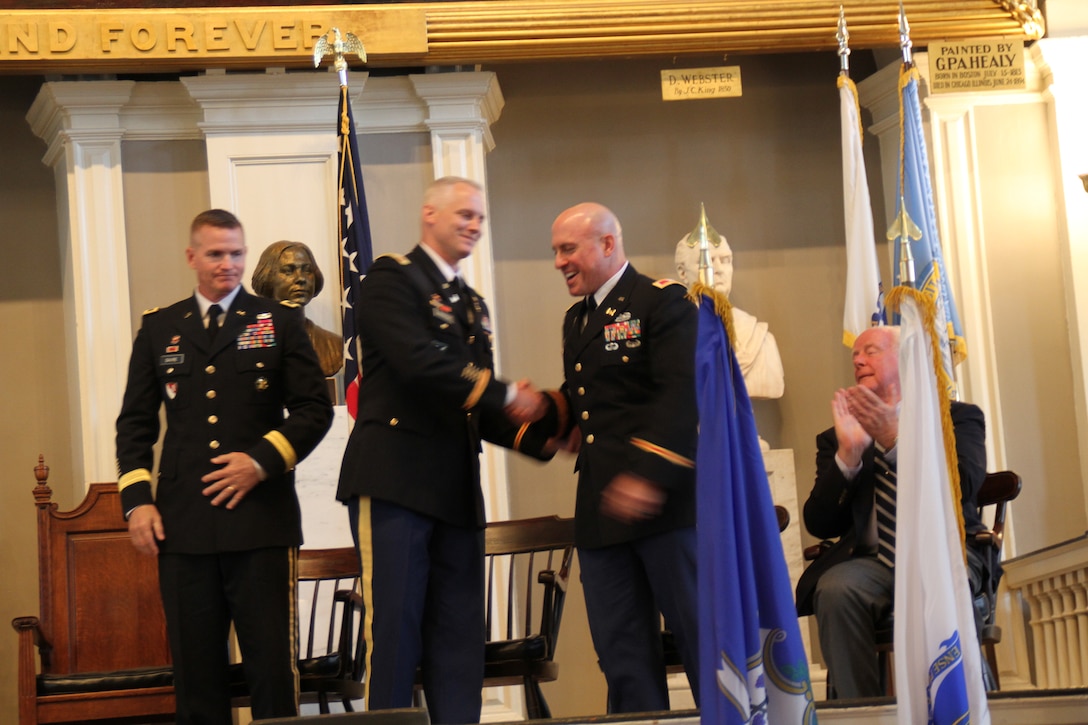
[
  {"x": 460, "y": 110},
  {"x": 80, "y": 122},
  {"x": 1061, "y": 62}
]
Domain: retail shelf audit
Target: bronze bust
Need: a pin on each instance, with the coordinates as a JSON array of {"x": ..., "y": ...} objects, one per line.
[{"x": 288, "y": 271}]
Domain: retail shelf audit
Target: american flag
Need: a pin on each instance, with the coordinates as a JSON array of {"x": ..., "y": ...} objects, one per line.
[{"x": 356, "y": 249}]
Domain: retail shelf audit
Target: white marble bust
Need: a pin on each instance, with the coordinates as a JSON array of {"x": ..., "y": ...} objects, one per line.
[{"x": 757, "y": 351}]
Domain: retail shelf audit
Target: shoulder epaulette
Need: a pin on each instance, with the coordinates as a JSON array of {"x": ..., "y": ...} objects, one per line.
[
  {"x": 400, "y": 258},
  {"x": 663, "y": 283},
  {"x": 151, "y": 311},
  {"x": 289, "y": 303}
]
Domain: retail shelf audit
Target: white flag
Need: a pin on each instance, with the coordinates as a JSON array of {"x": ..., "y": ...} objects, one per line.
[
  {"x": 938, "y": 667},
  {"x": 864, "y": 296}
]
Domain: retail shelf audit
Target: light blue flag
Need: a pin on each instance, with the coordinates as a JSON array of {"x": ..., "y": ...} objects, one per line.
[
  {"x": 752, "y": 662},
  {"x": 917, "y": 221}
]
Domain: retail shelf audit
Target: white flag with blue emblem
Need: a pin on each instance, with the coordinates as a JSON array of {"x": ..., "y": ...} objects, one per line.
[
  {"x": 864, "y": 306},
  {"x": 938, "y": 665}
]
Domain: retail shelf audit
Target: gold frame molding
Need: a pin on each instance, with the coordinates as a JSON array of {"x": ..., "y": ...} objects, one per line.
[{"x": 481, "y": 31}]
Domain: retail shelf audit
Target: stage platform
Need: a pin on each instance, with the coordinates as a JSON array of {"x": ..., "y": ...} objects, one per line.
[{"x": 1023, "y": 707}]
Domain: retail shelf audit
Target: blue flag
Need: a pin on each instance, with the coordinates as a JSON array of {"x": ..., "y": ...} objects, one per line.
[
  {"x": 916, "y": 221},
  {"x": 356, "y": 249},
  {"x": 752, "y": 661}
]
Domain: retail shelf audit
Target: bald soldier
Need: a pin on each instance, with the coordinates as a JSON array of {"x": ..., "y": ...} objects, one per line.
[{"x": 629, "y": 367}]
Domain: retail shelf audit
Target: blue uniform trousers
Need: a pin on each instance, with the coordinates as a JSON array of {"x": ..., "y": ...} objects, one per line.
[
  {"x": 423, "y": 583},
  {"x": 627, "y": 588}
]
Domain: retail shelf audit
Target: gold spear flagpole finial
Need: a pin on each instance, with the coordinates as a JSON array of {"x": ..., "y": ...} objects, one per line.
[
  {"x": 843, "y": 36},
  {"x": 904, "y": 230},
  {"x": 348, "y": 43},
  {"x": 704, "y": 237}
]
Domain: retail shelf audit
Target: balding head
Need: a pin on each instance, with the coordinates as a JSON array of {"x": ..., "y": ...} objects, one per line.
[
  {"x": 587, "y": 241},
  {"x": 876, "y": 362}
]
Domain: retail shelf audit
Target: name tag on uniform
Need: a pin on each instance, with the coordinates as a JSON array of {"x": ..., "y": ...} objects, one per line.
[{"x": 172, "y": 359}]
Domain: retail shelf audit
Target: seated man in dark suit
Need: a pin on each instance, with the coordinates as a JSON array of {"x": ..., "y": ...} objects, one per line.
[{"x": 850, "y": 587}]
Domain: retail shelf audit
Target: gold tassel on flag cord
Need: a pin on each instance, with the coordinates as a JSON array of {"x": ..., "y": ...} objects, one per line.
[
  {"x": 722, "y": 308},
  {"x": 928, "y": 307}
]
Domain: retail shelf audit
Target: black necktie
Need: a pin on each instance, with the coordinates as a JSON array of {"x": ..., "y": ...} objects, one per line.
[
  {"x": 885, "y": 510},
  {"x": 213, "y": 320},
  {"x": 591, "y": 305}
]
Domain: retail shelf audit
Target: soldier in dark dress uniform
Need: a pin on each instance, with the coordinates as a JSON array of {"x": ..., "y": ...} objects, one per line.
[
  {"x": 411, "y": 471},
  {"x": 629, "y": 366},
  {"x": 224, "y": 519}
]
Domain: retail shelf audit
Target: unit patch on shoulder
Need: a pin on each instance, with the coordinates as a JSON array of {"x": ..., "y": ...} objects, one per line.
[{"x": 663, "y": 283}]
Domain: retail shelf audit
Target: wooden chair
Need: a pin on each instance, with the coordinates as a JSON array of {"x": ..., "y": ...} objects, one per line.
[
  {"x": 331, "y": 649},
  {"x": 997, "y": 490},
  {"x": 521, "y": 554},
  {"x": 100, "y": 636},
  {"x": 673, "y": 663}
]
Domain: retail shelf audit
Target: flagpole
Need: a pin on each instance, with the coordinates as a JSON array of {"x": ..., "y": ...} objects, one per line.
[
  {"x": 863, "y": 304},
  {"x": 905, "y": 43},
  {"x": 843, "y": 36},
  {"x": 356, "y": 248},
  {"x": 902, "y": 223}
]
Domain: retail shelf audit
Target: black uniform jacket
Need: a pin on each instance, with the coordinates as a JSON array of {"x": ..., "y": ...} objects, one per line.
[
  {"x": 630, "y": 382},
  {"x": 428, "y": 394},
  {"x": 220, "y": 397},
  {"x": 840, "y": 508}
]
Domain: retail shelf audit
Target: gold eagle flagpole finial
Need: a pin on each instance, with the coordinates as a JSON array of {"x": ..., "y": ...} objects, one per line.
[{"x": 346, "y": 43}]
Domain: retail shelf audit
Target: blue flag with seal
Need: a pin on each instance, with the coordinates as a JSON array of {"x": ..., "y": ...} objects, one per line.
[
  {"x": 356, "y": 249},
  {"x": 916, "y": 222},
  {"x": 752, "y": 662}
]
